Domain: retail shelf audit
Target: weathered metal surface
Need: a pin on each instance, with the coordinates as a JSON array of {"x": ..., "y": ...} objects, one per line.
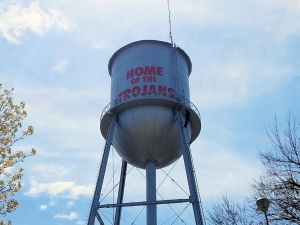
[
  {"x": 145, "y": 91},
  {"x": 146, "y": 68}
]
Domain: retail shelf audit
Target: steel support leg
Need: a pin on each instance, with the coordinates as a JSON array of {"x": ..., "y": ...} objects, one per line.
[
  {"x": 121, "y": 192},
  {"x": 95, "y": 203},
  {"x": 151, "y": 193},
  {"x": 189, "y": 171}
]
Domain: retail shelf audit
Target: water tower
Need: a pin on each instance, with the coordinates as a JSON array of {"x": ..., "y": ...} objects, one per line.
[{"x": 150, "y": 121}]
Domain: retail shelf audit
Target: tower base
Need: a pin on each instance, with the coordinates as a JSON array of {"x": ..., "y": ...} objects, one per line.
[{"x": 151, "y": 201}]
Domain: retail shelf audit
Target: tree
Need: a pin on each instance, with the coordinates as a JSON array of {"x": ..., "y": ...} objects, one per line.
[
  {"x": 11, "y": 116},
  {"x": 230, "y": 213},
  {"x": 280, "y": 183},
  {"x": 281, "y": 180}
]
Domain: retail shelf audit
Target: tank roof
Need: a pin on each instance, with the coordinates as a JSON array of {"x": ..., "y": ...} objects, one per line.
[{"x": 148, "y": 41}]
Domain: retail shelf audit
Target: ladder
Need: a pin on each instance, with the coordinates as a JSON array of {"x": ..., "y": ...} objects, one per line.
[
  {"x": 175, "y": 72},
  {"x": 190, "y": 171},
  {"x": 185, "y": 132},
  {"x": 99, "y": 218}
]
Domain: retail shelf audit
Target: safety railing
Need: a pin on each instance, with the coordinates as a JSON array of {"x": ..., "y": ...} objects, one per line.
[{"x": 180, "y": 99}]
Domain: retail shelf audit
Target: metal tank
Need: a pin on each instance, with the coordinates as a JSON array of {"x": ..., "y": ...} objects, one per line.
[{"x": 148, "y": 80}]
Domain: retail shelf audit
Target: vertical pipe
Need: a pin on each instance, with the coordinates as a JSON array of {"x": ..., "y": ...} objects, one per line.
[
  {"x": 151, "y": 193},
  {"x": 266, "y": 218}
]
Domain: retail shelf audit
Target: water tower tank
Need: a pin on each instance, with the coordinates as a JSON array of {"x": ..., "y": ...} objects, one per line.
[{"x": 149, "y": 81}]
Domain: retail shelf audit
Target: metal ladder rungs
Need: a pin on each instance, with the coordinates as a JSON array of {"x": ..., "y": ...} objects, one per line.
[{"x": 99, "y": 218}]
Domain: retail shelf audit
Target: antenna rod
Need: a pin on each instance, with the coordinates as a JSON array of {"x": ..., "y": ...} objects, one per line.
[{"x": 170, "y": 22}]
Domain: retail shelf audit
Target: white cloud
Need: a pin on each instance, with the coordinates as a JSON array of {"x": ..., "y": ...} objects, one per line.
[
  {"x": 61, "y": 65},
  {"x": 65, "y": 189},
  {"x": 231, "y": 87},
  {"x": 230, "y": 82},
  {"x": 59, "y": 116},
  {"x": 43, "y": 207},
  {"x": 100, "y": 45},
  {"x": 70, "y": 204},
  {"x": 220, "y": 167},
  {"x": 52, "y": 203},
  {"x": 17, "y": 20},
  {"x": 71, "y": 216},
  {"x": 96, "y": 41},
  {"x": 271, "y": 16},
  {"x": 47, "y": 169}
]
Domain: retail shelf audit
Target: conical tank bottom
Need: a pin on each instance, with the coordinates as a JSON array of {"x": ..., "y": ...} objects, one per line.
[{"x": 147, "y": 133}]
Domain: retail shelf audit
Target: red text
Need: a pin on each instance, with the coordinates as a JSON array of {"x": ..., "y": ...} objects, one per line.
[
  {"x": 147, "y": 70},
  {"x": 146, "y": 90}
]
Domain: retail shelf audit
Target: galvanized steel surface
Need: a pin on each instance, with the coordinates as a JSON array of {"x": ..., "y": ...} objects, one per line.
[
  {"x": 147, "y": 132},
  {"x": 151, "y": 193},
  {"x": 147, "y": 68},
  {"x": 144, "y": 97}
]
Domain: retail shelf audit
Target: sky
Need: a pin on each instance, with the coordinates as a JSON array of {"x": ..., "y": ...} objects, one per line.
[{"x": 246, "y": 71}]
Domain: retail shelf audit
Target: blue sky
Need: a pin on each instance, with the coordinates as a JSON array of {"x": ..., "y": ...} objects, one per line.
[{"x": 245, "y": 57}]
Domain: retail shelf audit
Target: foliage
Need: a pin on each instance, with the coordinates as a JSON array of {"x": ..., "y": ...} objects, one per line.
[
  {"x": 11, "y": 116},
  {"x": 281, "y": 180}
]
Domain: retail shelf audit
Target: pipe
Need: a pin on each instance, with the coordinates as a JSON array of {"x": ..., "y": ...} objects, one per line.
[{"x": 151, "y": 193}]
